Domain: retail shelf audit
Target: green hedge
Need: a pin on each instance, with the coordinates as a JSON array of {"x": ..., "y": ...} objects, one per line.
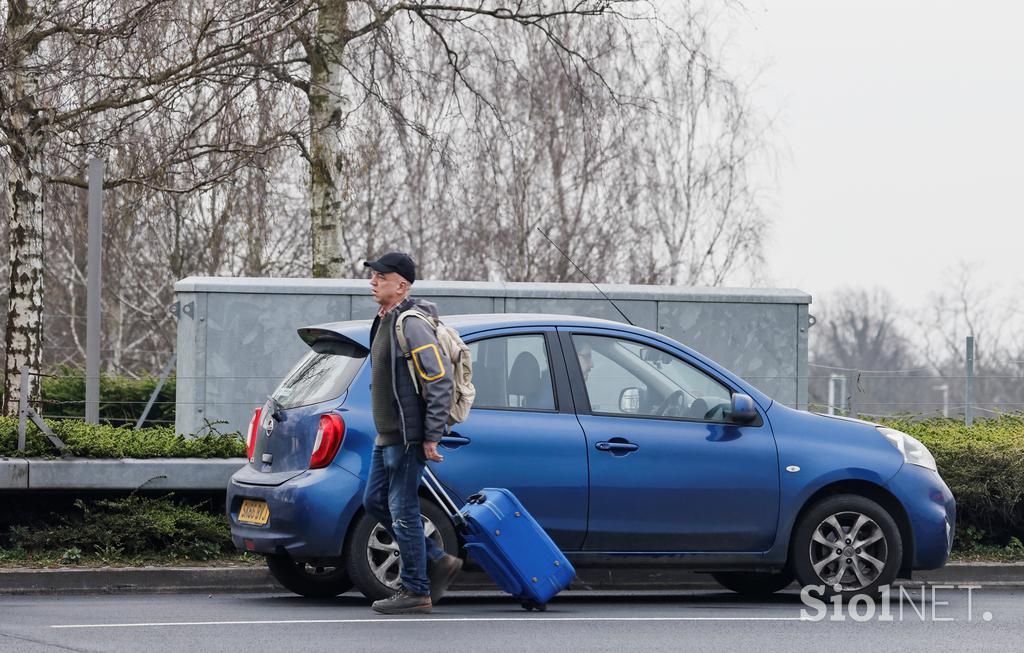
[
  {"x": 983, "y": 465},
  {"x": 121, "y": 399},
  {"x": 105, "y": 441}
]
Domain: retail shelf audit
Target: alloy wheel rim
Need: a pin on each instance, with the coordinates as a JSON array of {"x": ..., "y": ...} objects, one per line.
[
  {"x": 383, "y": 556},
  {"x": 848, "y": 551}
]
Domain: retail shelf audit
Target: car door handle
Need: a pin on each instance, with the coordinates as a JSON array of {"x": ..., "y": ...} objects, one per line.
[
  {"x": 617, "y": 447},
  {"x": 454, "y": 441}
]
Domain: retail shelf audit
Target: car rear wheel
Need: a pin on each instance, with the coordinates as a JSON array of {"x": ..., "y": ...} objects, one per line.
[
  {"x": 373, "y": 560},
  {"x": 315, "y": 580},
  {"x": 847, "y": 543},
  {"x": 754, "y": 583}
]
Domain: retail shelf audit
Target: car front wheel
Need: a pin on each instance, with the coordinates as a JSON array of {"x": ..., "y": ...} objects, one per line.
[
  {"x": 847, "y": 543},
  {"x": 373, "y": 560},
  {"x": 317, "y": 580}
]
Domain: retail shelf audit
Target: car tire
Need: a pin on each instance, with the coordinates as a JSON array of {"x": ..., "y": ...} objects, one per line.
[
  {"x": 754, "y": 583},
  {"x": 371, "y": 557},
  {"x": 824, "y": 549},
  {"x": 308, "y": 579}
]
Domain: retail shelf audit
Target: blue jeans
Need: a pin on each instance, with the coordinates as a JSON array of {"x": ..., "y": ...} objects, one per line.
[{"x": 392, "y": 497}]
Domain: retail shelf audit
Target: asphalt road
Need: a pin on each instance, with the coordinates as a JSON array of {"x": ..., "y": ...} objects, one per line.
[{"x": 986, "y": 619}]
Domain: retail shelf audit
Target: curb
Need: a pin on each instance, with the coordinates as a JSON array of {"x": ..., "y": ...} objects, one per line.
[
  {"x": 117, "y": 580},
  {"x": 117, "y": 473}
]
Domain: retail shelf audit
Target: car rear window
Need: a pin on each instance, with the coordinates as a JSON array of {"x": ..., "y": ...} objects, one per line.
[{"x": 324, "y": 373}]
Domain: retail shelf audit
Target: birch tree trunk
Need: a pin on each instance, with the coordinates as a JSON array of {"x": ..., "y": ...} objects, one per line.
[
  {"x": 23, "y": 126},
  {"x": 326, "y": 159}
]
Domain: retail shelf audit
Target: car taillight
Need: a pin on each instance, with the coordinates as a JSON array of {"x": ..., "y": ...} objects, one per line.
[
  {"x": 328, "y": 439},
  {"x": 250, "y": 438}
]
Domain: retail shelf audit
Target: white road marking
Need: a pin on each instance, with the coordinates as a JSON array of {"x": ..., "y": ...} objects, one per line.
[{"x": 401, "y": 619}]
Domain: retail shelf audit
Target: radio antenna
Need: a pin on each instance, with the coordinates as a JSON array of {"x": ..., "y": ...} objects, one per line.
[{"x": 629, "y": 321}]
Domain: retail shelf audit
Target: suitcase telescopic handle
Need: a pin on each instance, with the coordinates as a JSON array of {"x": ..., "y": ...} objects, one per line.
[{"x": 441, "y": 496}]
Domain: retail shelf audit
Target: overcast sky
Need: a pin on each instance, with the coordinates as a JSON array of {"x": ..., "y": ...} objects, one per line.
[{"x": 901, "y": 129}]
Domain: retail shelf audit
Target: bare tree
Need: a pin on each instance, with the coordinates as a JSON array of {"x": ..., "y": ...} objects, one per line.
[
  {"x": 862, "y": 335},
  {"x": 695, "y": 155},
  {"x": 598, "y": 170},
  {"x": 964, "y": 307},
  {"x": 861, "y": 329},
  {"x": 77, "y": 74},
  {"x": 352, "y": 43}
]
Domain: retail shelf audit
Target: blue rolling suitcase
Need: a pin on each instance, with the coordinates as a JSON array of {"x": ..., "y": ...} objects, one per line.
[{"x": 508, "y": 543}]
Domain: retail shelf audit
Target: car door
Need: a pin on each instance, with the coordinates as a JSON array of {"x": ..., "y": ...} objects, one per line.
[
  {"x": 522, "y": 432},
  {"x": 668, "y": 470}
]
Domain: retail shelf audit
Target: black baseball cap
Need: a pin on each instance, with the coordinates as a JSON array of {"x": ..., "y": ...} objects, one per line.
[{"x": 399, "y": 262}]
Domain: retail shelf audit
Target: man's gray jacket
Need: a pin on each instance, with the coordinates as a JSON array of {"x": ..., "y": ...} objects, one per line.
[{"x": 423, "y": 415}]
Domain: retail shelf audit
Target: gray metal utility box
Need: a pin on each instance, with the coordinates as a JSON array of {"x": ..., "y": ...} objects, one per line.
[{"x": 237, "y": 339}]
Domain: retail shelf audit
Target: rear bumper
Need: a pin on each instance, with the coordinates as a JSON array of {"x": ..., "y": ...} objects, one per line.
[
  {"x": 931, "y": 509},
  {"x": 309, "y": 514}
]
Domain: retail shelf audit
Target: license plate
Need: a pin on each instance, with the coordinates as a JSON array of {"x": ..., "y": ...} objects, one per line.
[{"x": 254, "y": 512}]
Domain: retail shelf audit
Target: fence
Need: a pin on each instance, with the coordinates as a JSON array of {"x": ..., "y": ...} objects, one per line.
[{"x": 962, "y": 393}]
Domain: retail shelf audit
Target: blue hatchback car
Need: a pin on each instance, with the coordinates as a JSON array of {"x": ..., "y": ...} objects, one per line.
[{"x": 628, "y": 448}]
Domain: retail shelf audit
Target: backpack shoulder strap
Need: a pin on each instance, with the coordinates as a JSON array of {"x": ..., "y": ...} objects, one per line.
[{"x": 403, "y": 342}]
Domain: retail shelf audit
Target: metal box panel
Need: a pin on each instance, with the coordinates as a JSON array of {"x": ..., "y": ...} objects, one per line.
[
  {"x": 252, "y": 343},
  {"x": 237, "y": 339},
  {"x": 641, "y": 313},
  {"x": 756, "y": 341}
]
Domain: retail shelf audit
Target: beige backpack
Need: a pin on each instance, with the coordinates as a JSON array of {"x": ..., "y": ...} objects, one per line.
[{"x": 458, "y": 353}]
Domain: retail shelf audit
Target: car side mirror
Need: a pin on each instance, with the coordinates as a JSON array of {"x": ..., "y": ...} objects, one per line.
[
  {"x": 743, "y": 410},
  {"x": 629, "y": 401}
]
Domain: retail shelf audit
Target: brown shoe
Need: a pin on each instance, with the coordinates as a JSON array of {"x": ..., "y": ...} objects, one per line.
[
  {"x": 441, "y": 574},
  {"x": 403, "y": 602}
]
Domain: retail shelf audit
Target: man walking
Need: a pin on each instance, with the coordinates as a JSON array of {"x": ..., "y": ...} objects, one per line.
[{"x": 410, "y": 415}]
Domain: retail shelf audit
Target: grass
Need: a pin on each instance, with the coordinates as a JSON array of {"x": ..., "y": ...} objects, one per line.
[{"x": 989, "y": 553}]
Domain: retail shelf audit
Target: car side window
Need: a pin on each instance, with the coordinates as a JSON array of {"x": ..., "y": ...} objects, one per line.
[
  {"x": 623, "y": 377},
  {"x": 512, "y": 372}
]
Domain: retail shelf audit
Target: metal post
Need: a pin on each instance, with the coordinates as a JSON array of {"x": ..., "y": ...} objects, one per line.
[
  {"x": 22, "y": 410},
  {"x": 93, "y": 285},
  {"x": 832, "y": 395},
  {"x": 26, "y": 413},
  {"x": 835, "y": 397},
  {"x": 944, "y": 389},
  {"x": 969, "y": 390},
  {"x": 160, "y": 384},
  {"x": 853, "y": 393}
]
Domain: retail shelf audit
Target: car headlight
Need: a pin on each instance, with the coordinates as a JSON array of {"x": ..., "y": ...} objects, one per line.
[{"x": 913, "y": 451}]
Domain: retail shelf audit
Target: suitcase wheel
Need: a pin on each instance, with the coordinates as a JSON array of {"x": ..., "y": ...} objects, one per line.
[{"x": 533, "y": 605}]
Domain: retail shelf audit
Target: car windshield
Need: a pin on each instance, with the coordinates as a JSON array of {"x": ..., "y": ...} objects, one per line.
[{"x": 324, "y": 373}]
